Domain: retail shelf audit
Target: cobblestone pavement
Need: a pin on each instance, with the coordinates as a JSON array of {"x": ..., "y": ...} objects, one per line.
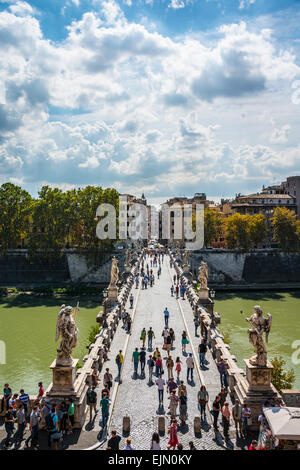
[{"x": 137, "y": 397}]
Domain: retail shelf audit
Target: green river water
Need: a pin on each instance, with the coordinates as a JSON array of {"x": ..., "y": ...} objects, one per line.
[
  {"x": 27, "y": 326},
  {"x": 285, "y": 310}
]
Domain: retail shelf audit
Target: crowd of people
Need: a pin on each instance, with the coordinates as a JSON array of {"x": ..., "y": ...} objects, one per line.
[{"x": 21, "y": 414}]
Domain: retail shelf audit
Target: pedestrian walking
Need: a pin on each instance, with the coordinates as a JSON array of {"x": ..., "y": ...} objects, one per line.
[
  {"x": 172, "y": 291},
  {"x": 246, "y": 419},
  {"x": 34, "y": 427},
  {"x": 119, "y": 362},
  {"x": 202, "y": 349},
  {"x": 168, "y": 343},
  {"x": 158, "y": 366},
  {"x": 108, "y": 378},
  {"x": 196, "y": 324},
  {"x": 105, "y": 404},
  {"x": 129, "y": 321},
  {"x": 236, "y": 412},
  {"x": 177, "y": 291},
  {"x": 131, "y": 299},
  {"x": 183, "y": 407},
  {"x": 40, "y": 392},
  {"x": 203, "y": 398},
  {"x": 142, "y": 360},
  {"x": 173, "y": 441},
  {"x": 9, "y": 421},
  {"x": 150, "y": 335},
  {"x": 166, "y": 316},
  {"x": 143, "y": 336},
  {"x": 222, "y": 368},
  {"x": 114, "y": 442},
  {"x": 150, "y": 364},
  {"x": 174, "y": 400},
  {"x": 91, "y": 398},
  {"x": 216, "y": 410},
  {"x": 178, "y": 367},
  {"x": 184, "y": 341},
  {"x": 172, "y": 335},
  {"x": 135, "y": 360},
  {"x": 21, "y": 424},
  {"x": 190, "y": 366},
  {"x": 226, "y": 419},
  {"x": 170, "y": 365},
  {"x": 160, "y": 382}
]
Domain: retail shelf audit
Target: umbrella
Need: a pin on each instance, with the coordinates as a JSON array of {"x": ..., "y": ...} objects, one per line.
[{"x": 284, "y": 422}]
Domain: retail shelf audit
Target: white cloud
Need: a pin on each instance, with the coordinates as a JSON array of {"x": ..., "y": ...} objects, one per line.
[
  {"x": 116, "y": 103},
  {"x": 245, "y": 3},
  {"x": 280, "y": 136}
]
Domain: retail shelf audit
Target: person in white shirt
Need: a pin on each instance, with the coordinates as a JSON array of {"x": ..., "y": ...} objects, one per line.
[
  {"x": 160, "y": 382},
  {"x": 155, "y": 445},
  {"x": 190, "y": 366}
]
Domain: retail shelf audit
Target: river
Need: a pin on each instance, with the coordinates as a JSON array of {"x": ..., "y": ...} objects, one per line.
[
  {"x": 285, "y": 310},
  {"x": 27, "y": 326}
]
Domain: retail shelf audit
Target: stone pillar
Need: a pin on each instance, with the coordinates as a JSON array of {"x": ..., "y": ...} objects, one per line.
[
  {"x": 255, "y": 389},
  {"x": 65, "y": 385}
]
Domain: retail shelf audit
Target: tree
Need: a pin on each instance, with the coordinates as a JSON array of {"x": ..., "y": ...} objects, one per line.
[
  {"x": 237, "y": 231},
  {"x": 279, "y": 378},
  {"x": 15, "y": 210},
  {"x": 50, "y": 223},
  {"x": 286, "y": 229},
  {"x": 213, "y": 225},
  {"x": 257, "y": 228}
]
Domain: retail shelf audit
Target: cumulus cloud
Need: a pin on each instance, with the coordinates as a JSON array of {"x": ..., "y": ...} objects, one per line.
[{"x": 134, "y": 107}]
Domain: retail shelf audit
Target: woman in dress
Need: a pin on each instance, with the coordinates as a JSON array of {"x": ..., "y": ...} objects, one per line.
[
  {"x": 178, "y": 368},
  {"x": 173, "y": 441}
]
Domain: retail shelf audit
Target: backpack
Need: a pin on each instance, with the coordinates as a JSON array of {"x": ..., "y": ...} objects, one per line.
[
  {"x": 118, "y": 359},
  {"x": 49, "y": 422}
]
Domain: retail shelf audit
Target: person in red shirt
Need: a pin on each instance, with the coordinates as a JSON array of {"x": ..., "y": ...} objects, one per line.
[{"x": 253, "y": 445}]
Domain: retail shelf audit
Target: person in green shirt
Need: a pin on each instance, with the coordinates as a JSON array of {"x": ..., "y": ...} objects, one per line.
[
  {"x": 104, "y": 403},
  {"x": 135, "y": 359},
  {"x": 143, "y": 336},
  {"x": 150, "y": 335},
  {"x": 71, "y": 413}
]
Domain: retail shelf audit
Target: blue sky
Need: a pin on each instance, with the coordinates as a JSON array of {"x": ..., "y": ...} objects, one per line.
[{"x": 165, "y": 96}]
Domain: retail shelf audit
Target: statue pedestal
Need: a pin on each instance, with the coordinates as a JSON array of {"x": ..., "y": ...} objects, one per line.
[
  {"x": 67, "y": 385},
  {"x": 259, "y": 377},
  {"x": 63, "y": 376},
  {"x": 255, "y": 389},
  {"x": 203, "y": 293},
  {"x": 112, "y": 293}
]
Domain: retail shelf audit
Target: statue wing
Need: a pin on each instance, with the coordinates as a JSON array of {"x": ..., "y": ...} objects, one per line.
[{"x": 268, "y": 325}]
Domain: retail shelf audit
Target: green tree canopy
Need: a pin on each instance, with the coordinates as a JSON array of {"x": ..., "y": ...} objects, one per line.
[
  {"x": 213, "y": 225},
  {"x": 281, "y": 379},
  {"x": 15, "y": 208},
  {"x": 286, "y": 228}
]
